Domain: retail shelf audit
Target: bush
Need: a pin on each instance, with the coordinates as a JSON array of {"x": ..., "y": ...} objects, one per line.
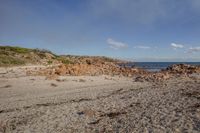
[
  {"x": 43, "y": 51},
  {"x": 21, "y": 50},
  {"x": 49, "y": 62},
  {"x": 64, "y": 60},
  {"x": 107, "y": 59}
]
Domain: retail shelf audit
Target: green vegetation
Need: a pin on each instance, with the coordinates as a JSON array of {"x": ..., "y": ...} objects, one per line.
[
  {"x": 15, "y": 49},
  {"x": 64, "y": 60},
  {"x": 19, "y": 56},
  {"x": 8, "y": 61},
  {"x": 107, "y": 59},
  {"x": 43, "y": 51},
  {"x": 49, "y": 62}
]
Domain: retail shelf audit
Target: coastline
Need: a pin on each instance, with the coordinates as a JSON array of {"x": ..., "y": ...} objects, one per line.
[{"x": 156, "y": 66}]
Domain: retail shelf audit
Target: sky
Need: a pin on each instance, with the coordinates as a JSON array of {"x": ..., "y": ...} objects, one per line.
[{"x": 137, "y": 30}]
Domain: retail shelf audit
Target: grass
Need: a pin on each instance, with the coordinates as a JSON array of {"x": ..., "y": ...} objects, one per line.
[
  {"x": 15, "y": 49},
  {"x": 43, "y": 51},
  {"x": 8, "y": 61},
  {"x": 64, "y": 60},
  {"x": 13, "y": 55},
  {"x": 107, "y": 59}
]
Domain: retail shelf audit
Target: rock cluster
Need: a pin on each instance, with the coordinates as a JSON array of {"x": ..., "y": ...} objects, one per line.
[
  {"x": 90, "y": 68},
  {"x": 183, "y": 69},
  {"x": 95, "y": 68},
  {"x": 171, "y": 71}
]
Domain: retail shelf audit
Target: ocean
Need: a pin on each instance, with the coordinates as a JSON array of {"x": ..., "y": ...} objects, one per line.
[{"x": 157, "y": 66}]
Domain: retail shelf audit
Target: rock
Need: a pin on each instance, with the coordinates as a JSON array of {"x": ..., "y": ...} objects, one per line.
[
  {"x": 61, "y": 70},
  {"x": 82, "y": 80},
  {"x": 183, "y": 69},
  {"x": 51, "y": 77},
  {"x": 2, "y": 71},
  {"x": 154, "y": 77},
  {"x": 90, "y": 68},
  {"x": 54, "y": 85},
  {"x": 139, "y": 79}
]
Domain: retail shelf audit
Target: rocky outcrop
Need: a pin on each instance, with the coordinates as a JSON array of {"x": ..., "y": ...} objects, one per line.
[
  {"x": 89, "y": 68},
  {"x": 182, "y": 69}
]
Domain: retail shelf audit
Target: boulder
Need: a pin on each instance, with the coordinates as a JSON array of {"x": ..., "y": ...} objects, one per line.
[{"x": 183, "y": 69}]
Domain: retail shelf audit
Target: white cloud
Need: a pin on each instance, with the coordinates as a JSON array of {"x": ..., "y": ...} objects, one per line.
[
  {"x": 194, "y": 49},
  {"x": 175, "y": 46},
  {"x": 142, "y": 47},
  {"x": 115, "y": 44}
]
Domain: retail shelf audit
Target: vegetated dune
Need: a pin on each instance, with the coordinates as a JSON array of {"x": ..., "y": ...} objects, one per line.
[
  {"x": 63, "y": 64},
  {"x": 12, "y": 56}
]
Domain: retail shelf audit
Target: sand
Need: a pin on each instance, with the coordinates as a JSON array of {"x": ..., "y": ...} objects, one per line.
[{"x": 97, "y": 104}]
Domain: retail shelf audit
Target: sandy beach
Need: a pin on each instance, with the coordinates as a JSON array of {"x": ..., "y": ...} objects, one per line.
[
  {"x": 97, "y": 103},
  {"x": 99, "y": 66}
]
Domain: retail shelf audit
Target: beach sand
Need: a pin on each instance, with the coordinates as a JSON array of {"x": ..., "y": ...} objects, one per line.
[{"x": 97, "y": 103}]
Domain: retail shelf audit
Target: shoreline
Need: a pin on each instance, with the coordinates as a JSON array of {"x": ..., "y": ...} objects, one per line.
[{"x": 156, "y": 66}]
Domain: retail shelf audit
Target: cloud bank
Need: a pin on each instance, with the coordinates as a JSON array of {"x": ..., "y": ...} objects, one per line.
[
  {"x": 115, "y": 44},
  {"x": 194, "y": 49},
  {"x": 142, "y": 47},
  {"x": 175, "y": 46}
]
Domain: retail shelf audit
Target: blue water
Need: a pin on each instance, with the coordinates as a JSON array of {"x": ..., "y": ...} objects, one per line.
[{"x": 157, "y": 66}]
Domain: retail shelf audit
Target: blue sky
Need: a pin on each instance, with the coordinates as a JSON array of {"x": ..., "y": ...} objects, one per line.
[{"x": 138, "y": 30}]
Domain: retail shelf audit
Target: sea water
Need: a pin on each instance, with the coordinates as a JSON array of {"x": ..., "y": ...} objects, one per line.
[{"x": 156, "y": 66}]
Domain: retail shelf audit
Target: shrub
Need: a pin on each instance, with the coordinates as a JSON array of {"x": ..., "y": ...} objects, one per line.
[
  {"x": 64, "y": 60},
  {"x": 15, "y": 49},
  {"x": 43, "y": 51},
  {"x": 6, "y": 61},
  {"x": 107, "y": 59},
  {"x": 49, "y": 62}
]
